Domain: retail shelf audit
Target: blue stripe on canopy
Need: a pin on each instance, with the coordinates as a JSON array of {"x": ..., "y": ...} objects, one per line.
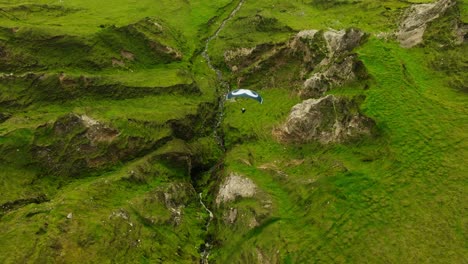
[{"x": 244, "y": 93}]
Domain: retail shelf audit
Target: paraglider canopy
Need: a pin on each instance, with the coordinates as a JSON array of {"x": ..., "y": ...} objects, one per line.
[{"x": 244, "y": 93}]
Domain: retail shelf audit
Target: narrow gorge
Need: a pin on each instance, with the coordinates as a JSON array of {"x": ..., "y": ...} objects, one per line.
[{"x": 118, "y": 145}]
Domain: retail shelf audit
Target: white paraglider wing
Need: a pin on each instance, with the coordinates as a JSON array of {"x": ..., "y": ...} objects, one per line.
[{"x": 244, "y": 93}]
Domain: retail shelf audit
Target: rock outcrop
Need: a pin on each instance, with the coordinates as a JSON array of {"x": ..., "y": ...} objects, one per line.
[
  {"x": 415, "y": 20},
  {"x": 461, "y": 32},
  {"x": 235, "y": 186},
  {"x": 323, "y": 47},
  {"x": 73, "y": 143},
  {"x": 326, "y": 120},
  {"x": 310, "y": 46},
  {"x": 176, "y": 197},
  {"x": 340, "y": 66},
  {"x": 243, "y": 58},
  {"x": 97, "y": 132},
  {"x": 337, "y": 74},
  {"x": 342, "y": 41},
  {"x": 324, "y": 59},
  {"x": 76, "y": 144}
]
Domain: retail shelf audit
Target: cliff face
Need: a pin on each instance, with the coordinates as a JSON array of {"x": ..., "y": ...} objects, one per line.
[
  {"x": 103, "y": 126},
  {"x": 117, "y": 143},
  {"x": 317, "y": 61},
  {"x": 416, "y": 18},
  {"x": 327, "y": 120}
]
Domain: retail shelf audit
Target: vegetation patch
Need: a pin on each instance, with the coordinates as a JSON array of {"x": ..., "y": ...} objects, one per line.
[{"x": 117, "y": 143}]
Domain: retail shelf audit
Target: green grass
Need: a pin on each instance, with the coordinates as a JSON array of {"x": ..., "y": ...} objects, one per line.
[
  {"x": 17, "y": 181},
  {"x": 361, "y": 202},
  {"x": 369, "y": 16},
  {"x": 173, "y": 74},
  {"x": 106, "y": 210},
  {"x": 396, "y": 197},
  {"x": 95, "y": 199},
  {"x": 258, "y": 119},
  {"x": 87, "y": 16}
]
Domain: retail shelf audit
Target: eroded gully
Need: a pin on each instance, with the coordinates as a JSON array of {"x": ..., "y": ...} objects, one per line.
[{"x": 224, "y": 86}]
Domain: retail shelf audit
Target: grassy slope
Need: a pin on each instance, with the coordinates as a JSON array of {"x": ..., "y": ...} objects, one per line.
[
  {"x": 398, "y": 198},
  {"x": 401, "y": 193},
  {"x": 106, "y": 208},
  {"x": 395, "y": 198}
]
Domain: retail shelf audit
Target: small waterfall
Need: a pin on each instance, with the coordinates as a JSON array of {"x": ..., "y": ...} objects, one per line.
[
  {"x": 224, "y": 90},
  {"x": 206, "y": 249},
  {"x": 219, "y": 75}
]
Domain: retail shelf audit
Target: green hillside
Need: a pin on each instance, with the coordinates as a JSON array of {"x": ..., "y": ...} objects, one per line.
[{"x": 117, "y": 143}]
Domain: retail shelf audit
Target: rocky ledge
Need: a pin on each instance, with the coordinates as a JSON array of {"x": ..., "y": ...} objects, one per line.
[
  {"x": 328, "y": 119},
  {"x": 415, "y": 21},
  {"x": 75, "y": 144},
  {"x": 317, "y": 61},
  {"x": 235, "y": 186}
]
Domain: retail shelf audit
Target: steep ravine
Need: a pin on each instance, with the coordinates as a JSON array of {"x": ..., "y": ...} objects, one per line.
[
  {"x": 223, "y": 85},
  {"x": 222, "y": 88},
  {"x": 117, "y": 143}
]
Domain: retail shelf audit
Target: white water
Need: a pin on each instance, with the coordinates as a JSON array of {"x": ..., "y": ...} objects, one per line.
[
  {"x": 206, "y": 251},
  {"x": 225, "y": 86},
  {"x": 215, "y": 35}
]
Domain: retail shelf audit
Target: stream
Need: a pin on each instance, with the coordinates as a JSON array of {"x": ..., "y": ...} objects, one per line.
[
  {"x": 207, "y": 246},
  {"x": 225, "y": 88},
  {"x": 219, "y": 75}
]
